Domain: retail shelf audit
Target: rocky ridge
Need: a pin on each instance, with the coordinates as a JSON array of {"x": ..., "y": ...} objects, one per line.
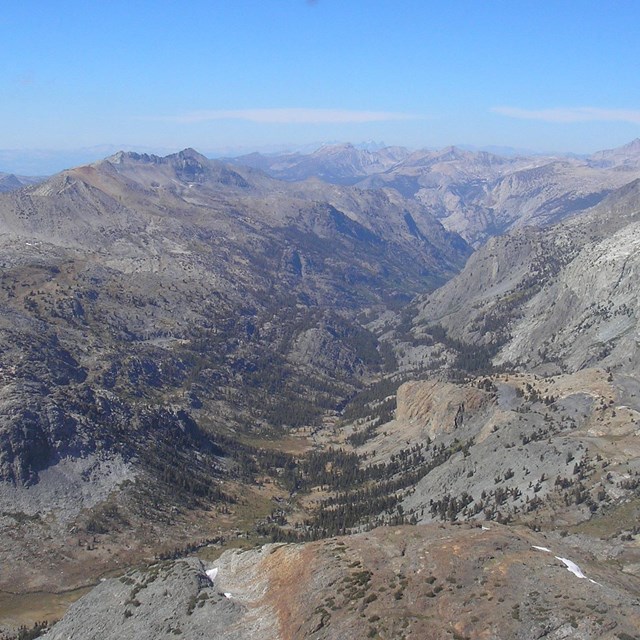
[
  {"x": 338, "y": 164},
  {"x": 477, "y": 194},
  {"x": 409, "y": 582}
]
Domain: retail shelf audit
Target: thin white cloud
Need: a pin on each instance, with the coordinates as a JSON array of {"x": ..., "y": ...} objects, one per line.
[
  {"x": 290, "y": 116},
  {"x": 571, "y": 114}
]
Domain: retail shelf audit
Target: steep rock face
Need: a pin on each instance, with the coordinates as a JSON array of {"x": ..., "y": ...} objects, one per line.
[
  {"x": 590, "y": 313},
  {"x": 439, "y": 408},
  {"x": 505, "y": 272},
  {"x": 390, "y": 583},
  {"x": 559, "y": 297}
]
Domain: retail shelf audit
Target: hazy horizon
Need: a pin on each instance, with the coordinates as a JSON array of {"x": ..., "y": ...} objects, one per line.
[
  {"x": 41, "y": 162},
  {"x": 251, "y": 75}
]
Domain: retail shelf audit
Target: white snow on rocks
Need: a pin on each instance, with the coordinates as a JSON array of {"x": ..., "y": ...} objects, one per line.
[
  {"x": 571, "y": 566},
  {"x": 575, "y": 569},
  {"x": 212, "y": 573}
]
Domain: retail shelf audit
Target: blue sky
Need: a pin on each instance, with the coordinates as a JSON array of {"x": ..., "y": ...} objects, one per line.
[{"x": 231, "y": 74}]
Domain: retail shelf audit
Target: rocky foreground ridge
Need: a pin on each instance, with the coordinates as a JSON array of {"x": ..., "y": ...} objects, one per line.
[{"x": 434, "y": 582}]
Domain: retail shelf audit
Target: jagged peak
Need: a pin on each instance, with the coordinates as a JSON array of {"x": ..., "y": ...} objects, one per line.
[
  {"x": 189, "y": 154},
  {"x": 121, "y": 157}
]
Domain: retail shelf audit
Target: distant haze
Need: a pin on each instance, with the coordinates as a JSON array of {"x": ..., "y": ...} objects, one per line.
[
  {"x": 43, "y": 162},
  {"x": 233, "y": 77}
]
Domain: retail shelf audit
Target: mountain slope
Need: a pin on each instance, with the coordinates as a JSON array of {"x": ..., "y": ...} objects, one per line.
[
  {"x": 185, "y": 366},
  {"x": 480, "y": 195},
  {"x": 339, "y": 164},
  {"x": 165, "y": 322},
  {"x": 621, "y": 158},
  {"x": 476, "y": 194},
  {"x": 409, "y": 582},
  {"x": 559, "y": 297},
  {"x": 11, "y": 182},
  {"x": 108, "y": 251}
]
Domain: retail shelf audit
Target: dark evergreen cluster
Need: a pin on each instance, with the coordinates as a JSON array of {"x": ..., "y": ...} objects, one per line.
[{"x": 362, "y": 495}]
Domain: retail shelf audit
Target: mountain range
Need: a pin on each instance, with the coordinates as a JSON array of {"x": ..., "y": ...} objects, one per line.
[
  {"x": 158, "y": 307},
  {"x": 476, "y": 194},
  {"x": 386, "y": 364},
  {"x": 11, "y": 182}
]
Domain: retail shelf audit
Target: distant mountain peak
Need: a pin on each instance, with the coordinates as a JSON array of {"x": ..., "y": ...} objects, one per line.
[
  {"x": 634, "y": 145},
  {"x": 122, "y": 157},
  {"x": 627, "y": 156},
  {"x": 186, "y": 154},
  {"x": 631, "y": 147},
  {"x": 9, "y": 182},
  {"x": 334, "y": 148},
  {"x": 190, "y": 154},
  {"x": 189, "y": 165}
]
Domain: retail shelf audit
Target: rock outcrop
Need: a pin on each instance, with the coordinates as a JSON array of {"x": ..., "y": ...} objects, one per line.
[{"x": 408, "y": 582}]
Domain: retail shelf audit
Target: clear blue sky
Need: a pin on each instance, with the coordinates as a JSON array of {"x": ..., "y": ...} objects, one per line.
[{"x": 215, "y": 74}]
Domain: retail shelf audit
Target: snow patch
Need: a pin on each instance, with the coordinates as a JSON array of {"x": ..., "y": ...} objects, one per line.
[
  {"x": 575, "y": 569},
  {"x": 570, "y": 564},
  {"x": 212, "y": 573}
]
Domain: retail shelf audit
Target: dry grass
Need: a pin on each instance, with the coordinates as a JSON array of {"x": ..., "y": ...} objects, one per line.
[{"x": 27, "y": 608}]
